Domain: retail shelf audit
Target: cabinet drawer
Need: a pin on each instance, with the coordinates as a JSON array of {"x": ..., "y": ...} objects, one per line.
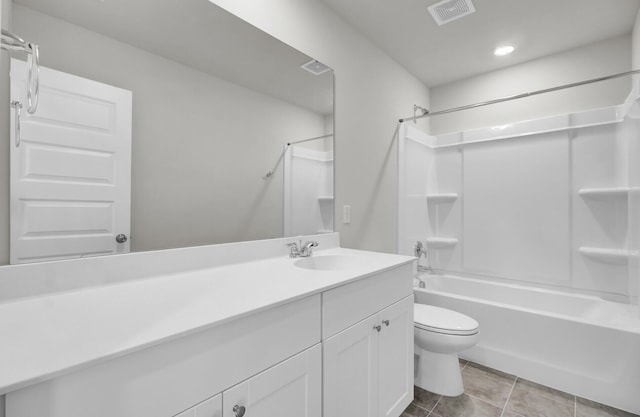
[{"x": 348, "y": 304}]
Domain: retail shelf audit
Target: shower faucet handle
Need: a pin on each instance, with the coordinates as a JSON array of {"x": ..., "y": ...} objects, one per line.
[{"x": 420, "y": 249}]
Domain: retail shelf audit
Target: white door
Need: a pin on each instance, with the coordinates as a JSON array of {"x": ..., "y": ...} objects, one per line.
[
  {"x": 292, "y": 388},
  {"x": 350, "y": 374},
  {"x": 71, "y": 173},
  {"x": 395, "y": 358}
]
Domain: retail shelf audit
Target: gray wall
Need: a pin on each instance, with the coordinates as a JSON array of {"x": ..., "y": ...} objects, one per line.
[
  {"x": 4, "y": 139},
  {"x": 4, "y": 156},
  {"x": 591, "y": 61},
  {"x": 371, "y": 93},
  {"x": 5, "y": 6},
  {"x": 197, "y": 174},
  {"x": 4, "y": 146}
]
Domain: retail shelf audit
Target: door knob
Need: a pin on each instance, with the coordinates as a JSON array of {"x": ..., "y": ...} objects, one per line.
[
  {"x": 239, "y": 410},
  {"x": 377, "y": 327},
  {"x": 121, "y": 238},
  {"x": 385, "y": 322}
]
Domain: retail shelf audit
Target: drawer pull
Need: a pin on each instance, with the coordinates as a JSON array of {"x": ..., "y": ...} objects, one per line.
[
  {"x": 377, "y": 327},
  {"x": 239, "y": 410},
  {"x": 386, "y": 322}
]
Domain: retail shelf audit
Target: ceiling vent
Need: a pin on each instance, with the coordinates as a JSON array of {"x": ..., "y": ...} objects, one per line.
[
  {"x": 315, "y": 67},
  {"x": 449, "y": 10}
]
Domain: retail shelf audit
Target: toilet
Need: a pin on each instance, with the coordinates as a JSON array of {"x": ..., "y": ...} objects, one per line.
[{"x": 439, "y": 335}]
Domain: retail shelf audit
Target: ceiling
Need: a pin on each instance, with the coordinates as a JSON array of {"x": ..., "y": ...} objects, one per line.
[
  {"x": 437, "y": 55},
  {"x": 203, "y": 36}
]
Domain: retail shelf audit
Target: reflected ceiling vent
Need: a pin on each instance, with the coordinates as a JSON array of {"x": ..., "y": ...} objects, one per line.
[
  {"x": 449, "y": 10},
  {"x": 315, "y": 67}
]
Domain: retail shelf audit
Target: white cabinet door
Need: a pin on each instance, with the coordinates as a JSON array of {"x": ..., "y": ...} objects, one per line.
[
  {"x": 369, "y": 372},
  {"x": 350, "y": 380},
  {"x": 395, "y": 358},
  {"x": 292, "y": 388},
  {"x": 208, "y": 408}
]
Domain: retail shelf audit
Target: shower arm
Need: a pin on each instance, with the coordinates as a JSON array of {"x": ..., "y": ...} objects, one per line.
[{"x": 519, "y": 96}]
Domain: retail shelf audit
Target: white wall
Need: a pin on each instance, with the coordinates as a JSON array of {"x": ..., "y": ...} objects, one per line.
[
  {"x": 591, "y": 61},
  {"x": 197, "y": 174},
  {"x": 371, "y": 93}
]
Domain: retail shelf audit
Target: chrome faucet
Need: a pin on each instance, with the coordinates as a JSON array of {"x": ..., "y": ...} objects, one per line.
[
  {"x": 419, "y": 250},
  {"x": 302, "y": 250},
  {"x": 307, "y": 249}
]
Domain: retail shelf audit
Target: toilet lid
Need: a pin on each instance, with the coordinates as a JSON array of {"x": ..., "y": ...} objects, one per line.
[{"x": 441, "y": 320}]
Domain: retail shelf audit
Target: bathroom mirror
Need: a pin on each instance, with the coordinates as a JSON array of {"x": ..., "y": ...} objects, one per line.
[{"x": 213, "y": 103}]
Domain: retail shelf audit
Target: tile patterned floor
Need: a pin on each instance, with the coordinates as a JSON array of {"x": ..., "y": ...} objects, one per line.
[{"x": 491, "y": 393}]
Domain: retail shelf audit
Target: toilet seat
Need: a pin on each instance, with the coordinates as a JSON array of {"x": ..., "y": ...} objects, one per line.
[{"x": 440, "y": 320}]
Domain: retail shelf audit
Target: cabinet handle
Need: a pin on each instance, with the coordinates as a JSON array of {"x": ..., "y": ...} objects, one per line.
[
  {"x": 239, "y": 410},
  {"x": 386, "y": 322},
  {"x": 377, "y": 327}
]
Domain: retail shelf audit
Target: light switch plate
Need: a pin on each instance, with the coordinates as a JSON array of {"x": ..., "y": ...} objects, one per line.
[{"x": 346, "y": 214}]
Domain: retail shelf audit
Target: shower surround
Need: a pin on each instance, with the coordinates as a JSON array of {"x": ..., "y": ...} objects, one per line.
[{"x": 549, "y": 206}]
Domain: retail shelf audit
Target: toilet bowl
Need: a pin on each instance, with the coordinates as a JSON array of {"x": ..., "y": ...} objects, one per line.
[{"x": 439, "y": 335}]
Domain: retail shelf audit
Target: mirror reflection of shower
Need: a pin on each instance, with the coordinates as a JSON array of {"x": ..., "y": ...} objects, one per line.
[{"x": 308, "y": 186}]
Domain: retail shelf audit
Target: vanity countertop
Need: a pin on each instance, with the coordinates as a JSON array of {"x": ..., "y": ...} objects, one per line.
[{"x": 50, "y": 335}]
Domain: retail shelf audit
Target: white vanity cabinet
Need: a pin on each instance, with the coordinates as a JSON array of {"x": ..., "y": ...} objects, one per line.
[
  {"x": 368, "y": 366},
  {"x": 177, "y": 375},
  {"x": 340, "y": 347}
]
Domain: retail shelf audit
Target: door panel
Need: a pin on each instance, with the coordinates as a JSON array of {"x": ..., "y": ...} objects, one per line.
[
  {"x": 292, "y": 388},
  {"x": 350, "y": 371},
  {"x": 395, "y": 358},
  {"x": 71, "y": 173}
]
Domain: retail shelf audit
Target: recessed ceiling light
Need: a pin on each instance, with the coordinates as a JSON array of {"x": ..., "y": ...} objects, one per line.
[{"x": 504, "y": 50}]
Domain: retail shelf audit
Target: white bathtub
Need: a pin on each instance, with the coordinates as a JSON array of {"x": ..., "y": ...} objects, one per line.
[{"x": 575, "y": 343}]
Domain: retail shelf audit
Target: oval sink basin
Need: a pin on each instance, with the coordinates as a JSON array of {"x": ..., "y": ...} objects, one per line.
[{"x": 331, "y": 262}]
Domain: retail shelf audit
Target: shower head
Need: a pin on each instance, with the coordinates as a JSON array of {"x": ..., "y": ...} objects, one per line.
[{"x": 420, "y": 109}]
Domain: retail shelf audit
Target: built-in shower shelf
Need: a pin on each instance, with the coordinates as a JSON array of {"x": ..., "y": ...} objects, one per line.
[
  {"x": 604, "y": 193},
  {"x": 325, "y": 198},
  {"x": 441, "y": 242},
  {"x": 442, "y": 197},
  {"x": 607, "y": 255}
]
